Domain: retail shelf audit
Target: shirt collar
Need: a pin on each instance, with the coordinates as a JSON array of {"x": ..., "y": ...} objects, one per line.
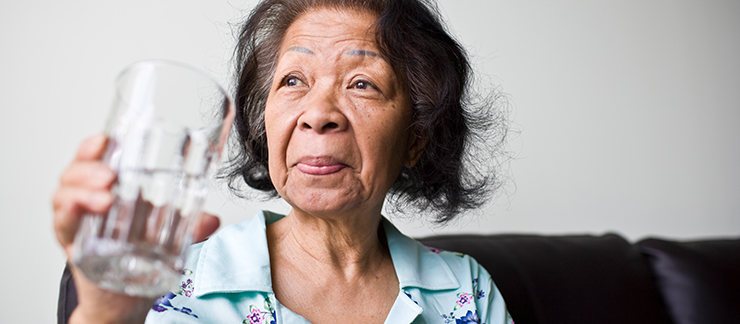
[
  {"x": 415, "y": 265},
  {"x": 225, "y": 266},
  {"x": 236, "y": 259}
]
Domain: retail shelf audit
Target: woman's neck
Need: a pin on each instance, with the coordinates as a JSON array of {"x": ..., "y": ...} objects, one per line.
[
  {"x": 320, "y": 268},
  {"x": 342, "y": 243}
]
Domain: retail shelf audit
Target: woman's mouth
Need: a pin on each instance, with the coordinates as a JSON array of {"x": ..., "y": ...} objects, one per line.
[{"x": 319, "y": 165}]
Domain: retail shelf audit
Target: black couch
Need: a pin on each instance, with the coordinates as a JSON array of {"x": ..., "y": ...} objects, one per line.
[{"x": 592, "y": 279}]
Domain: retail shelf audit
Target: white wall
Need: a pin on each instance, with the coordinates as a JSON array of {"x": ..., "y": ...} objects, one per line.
[{"x": 628, "y": 112}]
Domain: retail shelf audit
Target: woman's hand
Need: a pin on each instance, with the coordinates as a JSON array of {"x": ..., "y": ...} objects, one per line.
[{"x": 85, "y": 187}]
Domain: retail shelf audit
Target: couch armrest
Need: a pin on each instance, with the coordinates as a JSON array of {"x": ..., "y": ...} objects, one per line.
[{"x": 699, "y": 281}]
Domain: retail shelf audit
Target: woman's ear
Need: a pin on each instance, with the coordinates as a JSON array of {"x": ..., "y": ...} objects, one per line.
[{"x": 416, "y": 149}]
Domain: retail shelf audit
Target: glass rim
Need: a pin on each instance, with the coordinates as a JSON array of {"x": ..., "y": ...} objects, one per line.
[
  {"x": 229, "y": 110},
  {"x": 167, "y": 62}
]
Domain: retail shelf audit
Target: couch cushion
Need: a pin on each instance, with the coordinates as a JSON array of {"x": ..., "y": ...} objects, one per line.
[
  {"x": 566, "y": 279},
  {"x": 699, "y": 281}
]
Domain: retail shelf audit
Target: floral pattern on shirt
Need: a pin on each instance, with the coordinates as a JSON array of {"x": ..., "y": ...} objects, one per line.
[
  {"x": 259, "y": 316},
  {"x": 163, "y": 304},
  {"x": 463, "y": 299},
  {"x": 471, "y": 317},
  {"x": 186, "y": 289},
  {"x": 434, "y": 250},
  {"x": 479, "y": 293}
]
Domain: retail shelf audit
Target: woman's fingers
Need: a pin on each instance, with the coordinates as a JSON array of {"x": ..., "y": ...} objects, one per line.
[
  {"x": 92, "y": 148},
  {"x": 208, "y": 224},
  {"x": 84, "y": 188},
  {"x": 70, "y": 203},
  {"x": 90, "y": 174}
]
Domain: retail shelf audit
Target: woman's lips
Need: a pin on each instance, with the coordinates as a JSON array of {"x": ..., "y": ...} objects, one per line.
[{"x": 319, "y": 165}]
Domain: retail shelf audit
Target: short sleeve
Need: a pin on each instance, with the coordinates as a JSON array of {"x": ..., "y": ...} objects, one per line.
[{"x": 489, "y": 301}]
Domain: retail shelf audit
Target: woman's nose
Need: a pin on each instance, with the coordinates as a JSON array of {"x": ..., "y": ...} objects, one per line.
[{"x": 322, "y": 113}]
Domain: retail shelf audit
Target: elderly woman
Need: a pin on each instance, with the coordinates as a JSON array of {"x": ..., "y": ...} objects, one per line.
[{"x": 340, "y": 104}]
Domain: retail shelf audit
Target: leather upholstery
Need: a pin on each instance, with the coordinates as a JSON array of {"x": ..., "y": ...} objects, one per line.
[{"x": 700, "y": 281}]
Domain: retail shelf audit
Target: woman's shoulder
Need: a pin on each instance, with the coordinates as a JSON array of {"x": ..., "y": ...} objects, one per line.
[
  {"x": 476, "y": 300},
  {"x": 459, "y": 262},
  {"x": 430, "y": 265}
]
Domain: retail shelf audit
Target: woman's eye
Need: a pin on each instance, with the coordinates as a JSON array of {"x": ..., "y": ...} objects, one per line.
[
  {"x": 362, "y": 85},
  {"x": 292, "y": 81}
]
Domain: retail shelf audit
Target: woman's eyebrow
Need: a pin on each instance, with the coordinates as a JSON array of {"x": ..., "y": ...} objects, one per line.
[
  {"x": 360, "y": 52},
  {"x": 299, "y": 49}
]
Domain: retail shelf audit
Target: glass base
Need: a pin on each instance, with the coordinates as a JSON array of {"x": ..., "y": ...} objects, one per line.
[{"x": 134, "y": 271}]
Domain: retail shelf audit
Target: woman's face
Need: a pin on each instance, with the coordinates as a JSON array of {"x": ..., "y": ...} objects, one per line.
[{"x": 337, "y": 117}]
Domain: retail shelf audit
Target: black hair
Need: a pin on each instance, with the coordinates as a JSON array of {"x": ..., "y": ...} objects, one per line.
[{"x": 448, "y": 178}]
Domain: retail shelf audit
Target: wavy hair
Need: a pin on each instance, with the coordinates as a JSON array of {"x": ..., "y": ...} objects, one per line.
[{"x": 451, "y": 176}]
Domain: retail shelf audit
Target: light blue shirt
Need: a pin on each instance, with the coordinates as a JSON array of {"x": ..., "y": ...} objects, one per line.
[{"x": 227, "y": 280}]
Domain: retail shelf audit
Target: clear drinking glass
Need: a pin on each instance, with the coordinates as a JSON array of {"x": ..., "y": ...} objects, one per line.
[{"x": 167, "y": 128}]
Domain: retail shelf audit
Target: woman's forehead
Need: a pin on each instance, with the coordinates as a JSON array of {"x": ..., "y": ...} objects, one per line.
[{"x": 340, "y": 30}]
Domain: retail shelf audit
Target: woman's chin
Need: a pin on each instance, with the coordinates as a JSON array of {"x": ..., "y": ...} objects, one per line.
[
  {"x": 324, "y": 201},
  {"x": 330, "y": 195}
]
